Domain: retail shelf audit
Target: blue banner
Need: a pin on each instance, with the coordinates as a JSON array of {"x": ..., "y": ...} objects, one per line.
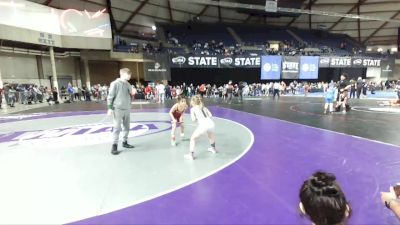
[
  {"x": 271, "y": 67},
  {"x": 309, "y": 67}
]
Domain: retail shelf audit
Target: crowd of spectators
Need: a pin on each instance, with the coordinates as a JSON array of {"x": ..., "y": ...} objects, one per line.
[
  {"x": 240, "y": 89},
  {"x": 216, "y": 48},
  {"x": 32, "y": 94},
  {"x": 28, "y": 94},
  {"x": 75, "y": 93},
  {"x": 22, "y": 94}
]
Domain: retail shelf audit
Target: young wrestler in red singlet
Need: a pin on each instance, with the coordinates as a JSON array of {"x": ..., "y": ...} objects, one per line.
[{"x": 176, "y": 114}]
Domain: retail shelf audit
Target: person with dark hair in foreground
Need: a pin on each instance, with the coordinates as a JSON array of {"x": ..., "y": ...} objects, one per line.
[
  {"x": 391, "y": 200},
  {"x": 323, "y": 201}
]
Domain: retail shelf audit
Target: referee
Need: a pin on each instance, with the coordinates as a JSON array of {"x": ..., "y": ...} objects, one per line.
[
  {"x": 119, "y": 105},
  {"x": 344, "y": 85}
]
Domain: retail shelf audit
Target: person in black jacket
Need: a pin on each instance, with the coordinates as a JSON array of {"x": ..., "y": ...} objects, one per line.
[
  {"x": 352, "y": 89},
  {"x": 359, "y": 87},
  {"x": 344, "y": 85},
  {"x": 55, "y": 95},
  {"x": 1, "y": 96},
  {"x": 342, "y": 98},
  {"x": 240, "y": 90},
  {"x": 365, "y": 87}
]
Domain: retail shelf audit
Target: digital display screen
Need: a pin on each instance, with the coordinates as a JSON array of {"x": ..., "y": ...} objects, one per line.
[{"x": 69, "y": 22}]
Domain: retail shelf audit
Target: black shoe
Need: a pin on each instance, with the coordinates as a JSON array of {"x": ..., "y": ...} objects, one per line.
[
  {"x": 126, "y": 145},
  {"x": 114, "y": 149}
]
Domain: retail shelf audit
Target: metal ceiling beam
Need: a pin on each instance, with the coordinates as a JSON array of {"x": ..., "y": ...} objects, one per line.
[
  {"x": 170, "y": 11},
  {"x": 380, "y": 28},
  {"x": 309, "y": 5},
  {"x": 367, "y": 3},
  {"x": 112, "y": 20},
  {"x": 384, "y": 42},
  {"x": 231, "y": 5},
  {"x": 219, "y": 13},
  {"x": 135, "y": 25},
  {"x": 47, "y": 2},
  {"x": 359, "y": 22},
  {"x": 202, "y": 11},
  {"x": 247, "y": 19},
  {"x": 132, "y": 15},
  {"x": 358, "y": 4},
  {"x": 355, "y": 29}
]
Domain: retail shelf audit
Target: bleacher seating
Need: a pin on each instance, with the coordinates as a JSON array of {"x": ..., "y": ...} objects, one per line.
[
  {"x": 199, "y": 33},
  {"x": 323, "y": 39},
  {"x": 257, "y": 35},
  {"x": 192, "y": 37}
]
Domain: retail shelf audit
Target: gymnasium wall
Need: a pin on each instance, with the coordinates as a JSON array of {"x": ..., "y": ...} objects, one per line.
[
  {"x": 136, "y": 68},
  {"x": 396, "y": 74},
  {"x": 31, "y": 69},
  {"x": 19, "y": 68},
  {"x": 104, "y": 72}
]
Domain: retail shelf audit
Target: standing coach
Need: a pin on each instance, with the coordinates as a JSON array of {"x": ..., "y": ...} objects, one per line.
[{"x": 119, "y": 107}]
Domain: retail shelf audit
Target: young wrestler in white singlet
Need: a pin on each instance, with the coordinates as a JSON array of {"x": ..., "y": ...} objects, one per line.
[{"x": 206, "y": 125}]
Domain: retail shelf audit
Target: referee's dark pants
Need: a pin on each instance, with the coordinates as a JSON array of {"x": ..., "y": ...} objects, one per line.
[
  {"x": 276, "y": 92},
  {"x": 240, "y": 93},
  {"x": 353, "y": 93},
  {"x": 359, "y": 92}
]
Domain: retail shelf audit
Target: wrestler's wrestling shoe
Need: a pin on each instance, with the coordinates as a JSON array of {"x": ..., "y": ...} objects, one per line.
[
  {"x": 212, "y": 150},
  {"x": 114, "y": 149},
  {"x": 126, "y": 145},
  {"x": 189, "y": 157}
]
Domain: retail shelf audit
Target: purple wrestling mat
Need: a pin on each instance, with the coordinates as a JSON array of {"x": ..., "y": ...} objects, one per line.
[{"x": 262, "y": 187}]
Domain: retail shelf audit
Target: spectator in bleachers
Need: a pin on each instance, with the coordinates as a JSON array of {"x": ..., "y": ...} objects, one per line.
[
  {"x": 343, "y": 45},
  {"x": 168, "y": 92},
  {"x": 70, "y": 92},
  {"x": 161, "y": 92},
  {"x": 86, "y": 93},
  {"x": 323, "y": 201},
  {"x": 148, "y": 91},
  {"x": 55, "y": 95},
  {"x": 1, "y": 96},
  {"x": 353, "y": 89},
  {"x": 359, "y": 86},
  {"x": 76, "y": 93},
  {"x": 12, "y": 96}
]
